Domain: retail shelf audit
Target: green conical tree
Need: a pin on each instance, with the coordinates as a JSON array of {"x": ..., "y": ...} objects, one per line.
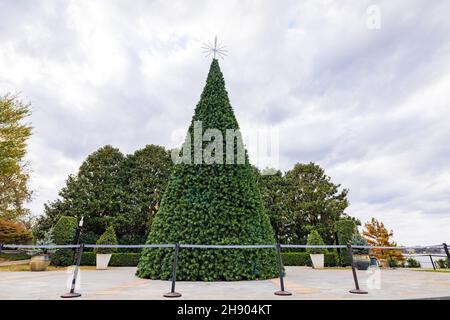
[{"x": 217, "y": 203}]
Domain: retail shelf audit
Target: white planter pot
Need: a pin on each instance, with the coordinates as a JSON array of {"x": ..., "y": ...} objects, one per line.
[
  {"x": 102, "y": 261},
  {"x": 317, "y": 260}
]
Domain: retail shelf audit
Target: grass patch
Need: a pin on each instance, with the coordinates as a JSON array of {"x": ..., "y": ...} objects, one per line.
[
  {"x": 26, "y": 267},
  {"x": 431, "y": 270}
]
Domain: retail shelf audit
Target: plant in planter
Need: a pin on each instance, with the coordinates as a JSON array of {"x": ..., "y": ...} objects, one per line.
[
  {"x": 360, "y": 256},
  {"x": 40, "y": 259},
  {"x": 103, "y": 255},
  {"x": 316, "y": 254}
]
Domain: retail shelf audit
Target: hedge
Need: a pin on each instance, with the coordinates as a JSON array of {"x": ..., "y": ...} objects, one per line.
[
  {"x": 131, "y": 259},
  {"x": 303, "y": 259},
  {"x": 117, "y": 259}
]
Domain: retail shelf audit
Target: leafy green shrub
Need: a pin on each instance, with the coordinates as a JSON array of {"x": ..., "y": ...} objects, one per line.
[
  {"x": 296, "y": 259},
  {"x": 393, "y": 263},
  {"x": 359, "y": 240},
  {"x": 13, "y": 233},
  {"x": 46, "y": 240},
  {"x": 108, "y": 237},
  {"x": 117, "y": 259},
  {"x": 442, "y": 263},
  {"x": 132, "y": 259},
  {"x": 125, "y": 259},
  {"x": 304, "y": 259},
  {"x": 331, "y": 259},
  {"x": 412, "y": 263},
  {"x": 89, "y": 259},
  {"x": 64, "y": 233},
  {"x": 217, "y": 203},
  {"x": 314, "y": 238},
  {"x": 88, "y": 237},
  {"x": 345, "y": 230}
]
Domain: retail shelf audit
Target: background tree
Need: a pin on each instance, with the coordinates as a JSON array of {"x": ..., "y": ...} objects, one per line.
[
  {"x": 94, "y": 192},
  {"x": 145, "y": 178},
  {"x": 111, "y": 189},
  {"x": 273, "y": 191},
  {"x": 312, "y": 201},
  {"x": 14, "y": 170},
  {"x": 63, "y": 233},
  {"x": 378, "y": 235},
  {"x": 345, "y": 229}
]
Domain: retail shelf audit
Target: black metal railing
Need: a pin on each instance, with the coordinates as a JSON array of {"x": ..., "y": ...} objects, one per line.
[{"x": 177, "y": 246}]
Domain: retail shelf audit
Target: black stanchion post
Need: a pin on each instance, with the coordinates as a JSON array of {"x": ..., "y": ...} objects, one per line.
[
  {"x": 72, "y": 293},
  {"x": 76, "y": 240},
  {"x": 432, "y": 262},
  {"x": 357, "y": 290},
  {"x": 447, "y": 253},
  {"x": 173, "y": 293},
  {"x": 282, "y": 292},
  {"x": 336, "y": 237}
]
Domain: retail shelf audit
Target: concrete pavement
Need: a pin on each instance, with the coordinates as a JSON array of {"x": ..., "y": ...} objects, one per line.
[{"x": 303, "y": 282}]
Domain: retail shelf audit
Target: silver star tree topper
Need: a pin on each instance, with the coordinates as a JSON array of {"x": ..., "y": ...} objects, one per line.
[{"x": 215, "y": 49}]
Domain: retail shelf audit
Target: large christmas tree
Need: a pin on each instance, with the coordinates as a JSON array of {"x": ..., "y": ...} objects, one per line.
[{"x": 216, "y": 203}]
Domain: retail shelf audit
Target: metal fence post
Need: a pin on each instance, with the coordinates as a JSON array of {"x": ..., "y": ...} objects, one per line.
[
  {"x": 282, "y": 292},
  {"x": 432, "y": 262},
  {"x": 173, "y": 293},
  {"x": 448, "y": 254},
  {"x": 338, "y": 249},
  {"x": 72, "y": 293},
  {"x": 357, "y": 290}
]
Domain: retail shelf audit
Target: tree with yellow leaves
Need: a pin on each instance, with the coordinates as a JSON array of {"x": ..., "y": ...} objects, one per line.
[
  {"x": 14, "y": 170},
  {"x": 378, "y": 235}
]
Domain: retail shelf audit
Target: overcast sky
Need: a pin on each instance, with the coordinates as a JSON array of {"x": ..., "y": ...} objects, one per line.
[{"x": 366, "y": 99}]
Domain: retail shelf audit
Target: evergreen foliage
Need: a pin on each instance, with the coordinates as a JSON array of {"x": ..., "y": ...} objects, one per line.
[
  {"x": 64, "y": 233},
  {"x": 314, "y": 239},
  {"x": 108, "y": 237},
  {"x": 312, "y": 200},
  {"x": 111, "y": 189},
  {"x": 211, "y": 204},
  {"x": 345, "y": 229},
  {"x": 359, "y": 240}
]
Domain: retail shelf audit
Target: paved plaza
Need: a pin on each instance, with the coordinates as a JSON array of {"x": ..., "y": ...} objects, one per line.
[{"x": 303, "y": 282}]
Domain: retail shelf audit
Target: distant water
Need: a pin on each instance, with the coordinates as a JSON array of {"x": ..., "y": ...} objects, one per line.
[{"x": 425, "y": 261}]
